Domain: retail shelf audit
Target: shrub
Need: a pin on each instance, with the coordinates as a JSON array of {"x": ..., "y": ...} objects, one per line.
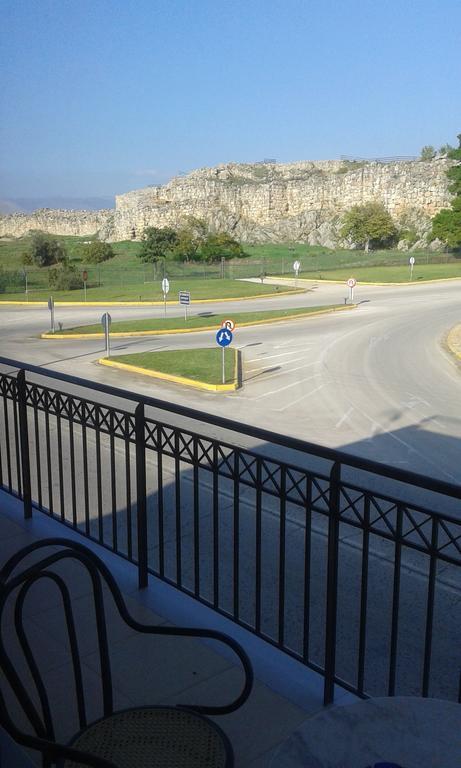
[
  {"x": 45, "y": 251},
  {"x": 97, "y": 251},
  {"x": 64, "y": 278}
]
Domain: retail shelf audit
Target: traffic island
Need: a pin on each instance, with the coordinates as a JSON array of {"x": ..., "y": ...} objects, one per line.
[
  {"x": 195, "y": 323},
  {"x": 453, "y": 342},
  {"x": 197, "y": 368}
]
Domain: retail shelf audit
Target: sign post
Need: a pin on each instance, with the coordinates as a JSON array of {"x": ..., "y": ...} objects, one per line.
[
  {"x": 85, "y": 278},
  {"x": 24, "y": 274},
  {"x": 165, "y": 289},
  {"x": 296, "y": 267},
  {"x": 51, "y": 308},
  {"x": 106, "y": 321},
  {"x": 412, "y": 264},
  {"x": 224, "y": 338},
  {"x": 184, "y": 298},
  {"x": 352, "y": 282}
]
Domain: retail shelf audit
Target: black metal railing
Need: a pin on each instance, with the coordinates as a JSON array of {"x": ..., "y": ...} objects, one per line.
[{"x": 348, "y": 565}]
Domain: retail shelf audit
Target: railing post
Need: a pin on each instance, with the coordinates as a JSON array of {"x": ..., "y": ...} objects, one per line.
[
  {"x": 24, "y": 443},
  {"x": 141, "y": 500},
  {"x": 332, "y": 584}
]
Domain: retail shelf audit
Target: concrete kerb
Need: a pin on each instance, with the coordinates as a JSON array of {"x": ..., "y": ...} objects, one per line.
[
  {"x": 145, "y": 303},
  {"x": 124, "y": 334},
  {"x": 309, "y": 280},
  {"x": 237, "y": 383}
]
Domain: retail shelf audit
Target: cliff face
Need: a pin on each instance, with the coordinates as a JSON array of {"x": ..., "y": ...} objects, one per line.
[{"x": 262, "y": 202}]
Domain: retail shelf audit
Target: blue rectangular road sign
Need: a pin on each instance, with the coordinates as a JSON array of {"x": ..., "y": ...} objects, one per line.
[{"x": 184, "y": 297}]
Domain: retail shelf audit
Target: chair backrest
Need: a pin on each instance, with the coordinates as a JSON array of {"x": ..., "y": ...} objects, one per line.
[{"x": 27, "y": 685}]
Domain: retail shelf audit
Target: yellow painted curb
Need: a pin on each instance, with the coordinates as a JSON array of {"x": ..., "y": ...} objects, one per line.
[
  {"x": 146, "y": 303},
  {"x": 177, "y": 379},
  {"x": 454, "y": 341},
  {"x": 363, "y": 282},
  {"x": 124, "y": 334}
]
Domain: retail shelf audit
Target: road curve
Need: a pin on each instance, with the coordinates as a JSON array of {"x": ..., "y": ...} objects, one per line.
[{"x": 375, "y": 381}]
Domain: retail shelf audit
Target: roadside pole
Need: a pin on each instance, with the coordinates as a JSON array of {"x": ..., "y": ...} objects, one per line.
[
  {"x": 412, "y": 264},
  {"x": 106, "y": 321},
  {"x": 85, "y": 278},
  {"x": 165, "y": 289},
  {"x": 51, "y": 308},
  {"x": 296, "y": 266},
  {"x": 224, "y": 338},
  {"x": 24, "y": 272},
  {"x": 184, "y": 299},
  {"x": 351, "y": 283}
]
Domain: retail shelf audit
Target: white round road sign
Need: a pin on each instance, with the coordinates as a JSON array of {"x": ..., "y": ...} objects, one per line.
[
  {"x": 412, "y": 260},
  {"x": 165, "y": 285},
  {"x": 352, "y": 282},
  {"x": 229, "y": 324}
]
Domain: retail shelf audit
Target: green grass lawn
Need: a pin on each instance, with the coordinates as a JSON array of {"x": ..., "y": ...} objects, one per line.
[
  {"x": 210, "y": 320},
  {"x": 199, "y": 289},
  {"x": 197, "y": 364},
  {"x": 126, "y": 278},
  {"x": 391, "y": 274}
]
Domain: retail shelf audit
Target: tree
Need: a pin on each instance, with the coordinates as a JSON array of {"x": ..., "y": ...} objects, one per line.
[
  {"x": 157, "y": 243},
  {"x": 427, "y": 152},
  {"x": 446, "y": 225},
  {"x": 97, "y": 251},
  {"x": 368, "y": 224},
  {"x": 45, "y": 250},
  {"x": 220, "y": 246}
]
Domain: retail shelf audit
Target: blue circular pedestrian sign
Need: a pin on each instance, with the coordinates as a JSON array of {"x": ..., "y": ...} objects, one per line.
[{"x": 224, "y": 337}]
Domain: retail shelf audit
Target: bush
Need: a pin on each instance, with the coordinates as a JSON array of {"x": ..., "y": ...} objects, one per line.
[
  {"x": 27, "y": 259},
  {"x": 64, "y": 278},
  {"x": 45, "y": 251},
  {"x": 427, "y": 153},
  {"x": 96, "y": 252}
]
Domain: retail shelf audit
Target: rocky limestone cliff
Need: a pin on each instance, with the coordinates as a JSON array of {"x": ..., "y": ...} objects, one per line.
[
  {"x": 259, "y": 202},
  {"x": 58, "y": 222}
]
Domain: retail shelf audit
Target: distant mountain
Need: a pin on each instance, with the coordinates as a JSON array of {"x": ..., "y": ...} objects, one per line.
[
  {"x": 10, "y": 206},
  {"x": 28, "y": 204}
]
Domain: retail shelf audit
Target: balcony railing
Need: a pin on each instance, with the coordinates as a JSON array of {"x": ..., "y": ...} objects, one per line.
[{"x": 345, "y": 564}]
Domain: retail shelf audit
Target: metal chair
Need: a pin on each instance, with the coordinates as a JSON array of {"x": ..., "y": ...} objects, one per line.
[{"x": 163, "y": 736}]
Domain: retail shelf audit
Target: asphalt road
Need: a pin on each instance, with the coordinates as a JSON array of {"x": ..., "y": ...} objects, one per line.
[{"x": 375, "y": 381}]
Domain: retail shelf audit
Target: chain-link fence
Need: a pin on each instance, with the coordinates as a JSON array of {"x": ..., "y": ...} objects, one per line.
[{"x": 32, "y": 280}]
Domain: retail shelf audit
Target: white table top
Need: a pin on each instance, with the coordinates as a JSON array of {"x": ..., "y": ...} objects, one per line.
[{"x": 412, "y": 732}]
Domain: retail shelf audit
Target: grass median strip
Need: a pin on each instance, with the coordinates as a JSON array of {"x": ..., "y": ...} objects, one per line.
[
  {"x": 201, "y": 368},
  {"x": 202, "y": 322},
  {"x": 200, "y": 290},
  {"x": 388, "y": 274}
]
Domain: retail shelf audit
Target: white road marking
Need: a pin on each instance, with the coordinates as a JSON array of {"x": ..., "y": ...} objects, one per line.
[
  {"x": 282, "y": 389},
  {"x": 294, "y": 402},
  {"x": 270, "y": 357},
  {"x": 343, "y": 418},
  {"x": 376, "y": 425},
  {"x": 285, "y": 371}
]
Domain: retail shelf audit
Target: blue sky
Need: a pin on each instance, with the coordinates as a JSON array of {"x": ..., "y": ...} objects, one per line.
[{"x": 101, "y": 96}]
